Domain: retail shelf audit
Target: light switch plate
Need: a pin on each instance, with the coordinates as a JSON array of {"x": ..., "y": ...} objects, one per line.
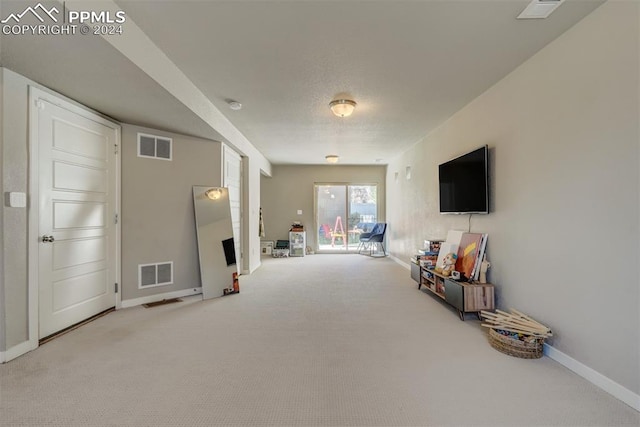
[
  {"x": 299, "y": 211},
  {"x": 17, "y": 200}
]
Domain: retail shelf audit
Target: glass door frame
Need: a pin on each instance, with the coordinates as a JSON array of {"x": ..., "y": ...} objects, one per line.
[{"x": 345, "y": 222}]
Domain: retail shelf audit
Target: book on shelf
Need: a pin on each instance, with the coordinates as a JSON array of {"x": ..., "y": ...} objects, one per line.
[
  {"x": 432, "y": 245},
  {"x": 429, "y": 259}
]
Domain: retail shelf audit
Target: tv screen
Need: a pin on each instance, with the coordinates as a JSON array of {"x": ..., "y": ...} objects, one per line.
[{"x": 464, "y": 184}]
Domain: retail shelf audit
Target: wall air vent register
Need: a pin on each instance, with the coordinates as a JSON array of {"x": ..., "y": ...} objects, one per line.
[
  {"x": 154, "y": 147},
  {"x": 152, "y": 275}
]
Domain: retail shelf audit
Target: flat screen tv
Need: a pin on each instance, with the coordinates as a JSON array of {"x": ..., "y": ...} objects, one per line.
[{"x": 464, "y": 183}]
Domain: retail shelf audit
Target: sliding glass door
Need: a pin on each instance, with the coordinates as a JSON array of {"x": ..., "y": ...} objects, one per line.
[{"x": 343, "y": 212}]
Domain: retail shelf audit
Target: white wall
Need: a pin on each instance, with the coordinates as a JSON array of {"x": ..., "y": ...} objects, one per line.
[
  {"x": 291, "y": 188},
  {"x": 564, "y": 223},
  {"x": 158, "y": 223},
  {"x": 252, "y": 212},
  {"x": 2, "y": 304},
  {"x": 191, "y": 158},
  {"x": 14, "y": 143},
  {"x": 14, "y": 146},
  {"x": 141, "y": 51}
]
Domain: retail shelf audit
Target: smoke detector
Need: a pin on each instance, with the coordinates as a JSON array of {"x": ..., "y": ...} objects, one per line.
[
  {"x": 539, "y": 9},
  {"x": 234, "y": 105}
]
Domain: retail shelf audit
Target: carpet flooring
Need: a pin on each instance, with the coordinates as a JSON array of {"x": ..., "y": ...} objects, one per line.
[{"x": 324, "y": 340}]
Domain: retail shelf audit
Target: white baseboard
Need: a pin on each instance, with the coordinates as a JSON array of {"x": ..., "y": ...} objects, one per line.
[
  {"x": 159, "y": 297},
  {"x": 27, "y": 346},
  {"x": 16, "y": 350},
  {"x": 402, "y": 263},
  {"x": 616, "y": 390},
  {"x": 606, "y": 384}
]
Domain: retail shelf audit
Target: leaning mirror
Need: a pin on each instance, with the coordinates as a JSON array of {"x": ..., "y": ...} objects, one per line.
[{"x": 214, "y": 232}]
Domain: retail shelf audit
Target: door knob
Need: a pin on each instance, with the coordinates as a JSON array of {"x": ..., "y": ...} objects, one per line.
[{"x": 47, "y": 239}]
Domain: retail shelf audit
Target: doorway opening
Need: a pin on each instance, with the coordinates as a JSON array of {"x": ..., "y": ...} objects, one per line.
[{"x": 343, "y": 212}]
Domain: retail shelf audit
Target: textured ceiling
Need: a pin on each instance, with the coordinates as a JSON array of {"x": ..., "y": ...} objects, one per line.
[{"x": 408, "y": 64}]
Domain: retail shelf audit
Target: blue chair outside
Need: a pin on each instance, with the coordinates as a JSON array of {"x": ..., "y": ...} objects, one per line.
[
  {"x": 366, "y": 227},
  {"x": 370, "y": 241}
]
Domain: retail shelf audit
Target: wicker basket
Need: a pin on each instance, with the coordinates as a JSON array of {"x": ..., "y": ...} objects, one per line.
[{"x": 516, "y": 348}]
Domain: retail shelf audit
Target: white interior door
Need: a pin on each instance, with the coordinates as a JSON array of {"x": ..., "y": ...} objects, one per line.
[
  {"x": 77, "y": 201},
  {"x": 232, "y": 175}
]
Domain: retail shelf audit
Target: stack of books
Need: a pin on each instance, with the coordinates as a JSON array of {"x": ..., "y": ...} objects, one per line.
[
  {"x": 427, "y": 256},
  {"x": 296, "y": 226}
]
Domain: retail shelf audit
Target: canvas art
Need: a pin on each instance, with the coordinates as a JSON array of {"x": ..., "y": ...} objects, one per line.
[
  {"x": 468, "y": 250},
  {"x": 450, "y": 245}
]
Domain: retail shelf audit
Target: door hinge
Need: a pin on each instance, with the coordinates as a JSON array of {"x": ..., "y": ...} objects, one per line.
[
  {"x": 115, "y": 219},
  {"x": 115, "y": 287},
  {"x": 115, "y": 148}
]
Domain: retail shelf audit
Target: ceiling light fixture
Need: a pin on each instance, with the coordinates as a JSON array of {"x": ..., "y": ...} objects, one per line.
[
  {"x": 213, "y": 193},
  {"x": 342, "y": 107},
  {"x": 234, "y": 105},
  {"x": 332, "y": 158},
  {"x": 539, "y": 9}
]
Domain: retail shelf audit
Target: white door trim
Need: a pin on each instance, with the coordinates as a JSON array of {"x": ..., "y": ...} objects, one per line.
[
  {"x": 35, "y": 95},
  {"x": 228, "y": 151}
]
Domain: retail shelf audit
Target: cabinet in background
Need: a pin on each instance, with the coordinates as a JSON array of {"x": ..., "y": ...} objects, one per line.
[
  {"x": 465, "y": 297},
  {"x": 415, "y": 271},
  {"x": 297, "y": 243}
]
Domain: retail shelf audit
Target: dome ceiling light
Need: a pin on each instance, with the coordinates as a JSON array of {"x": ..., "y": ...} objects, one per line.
[
  {"x": 332, "y": 158},
  {"x": 342, "y": 107}
]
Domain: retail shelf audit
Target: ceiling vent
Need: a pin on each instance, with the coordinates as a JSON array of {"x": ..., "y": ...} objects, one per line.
[{"x": 539, "y": 9}]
